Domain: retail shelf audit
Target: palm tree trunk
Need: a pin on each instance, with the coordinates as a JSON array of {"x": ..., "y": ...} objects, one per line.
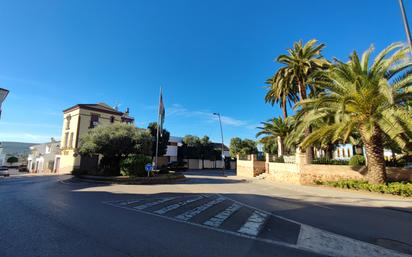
[
  {"x": 284, "y": 108},
  {"x": 374, "y": 154}
]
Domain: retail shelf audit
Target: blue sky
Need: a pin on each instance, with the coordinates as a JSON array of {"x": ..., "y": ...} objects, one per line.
[{"x": 209, "y": 56}]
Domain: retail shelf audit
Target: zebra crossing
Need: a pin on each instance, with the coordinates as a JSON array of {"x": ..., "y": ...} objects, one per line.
[{"x": 216, "y": 212}]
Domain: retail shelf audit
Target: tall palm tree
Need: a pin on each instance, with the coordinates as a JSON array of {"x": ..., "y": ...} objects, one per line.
[
  {"x": 300, "y": 67},
  {"x": 280, "y": 91},
  {"x": 276, "y": 129},
  {"x": 369, "y": 98}
]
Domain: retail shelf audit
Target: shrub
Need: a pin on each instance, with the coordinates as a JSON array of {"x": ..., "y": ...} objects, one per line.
[
  {"x": 357, "y": 160},
  {"x": 78, "y": 172},
  {"x": 135, "y": 165},
  {"x": 394, "y": 188},
  {"x": 328, "y": 161}
]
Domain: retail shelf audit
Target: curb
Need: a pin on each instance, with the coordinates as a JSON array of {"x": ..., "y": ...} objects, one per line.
[
  {"x": 131, "y": 182},
  {"x": 327, "y": 243},
  {"x": 323, "y": 242}
]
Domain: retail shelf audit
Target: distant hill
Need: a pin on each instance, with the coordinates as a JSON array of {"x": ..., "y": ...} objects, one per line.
[{"x": 17, "y": 148}]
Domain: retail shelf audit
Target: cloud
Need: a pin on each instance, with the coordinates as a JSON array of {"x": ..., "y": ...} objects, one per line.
[{"x": 179, "y": 110}]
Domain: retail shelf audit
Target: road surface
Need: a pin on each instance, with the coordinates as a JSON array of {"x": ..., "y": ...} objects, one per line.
[{"x": 202, "y": 216}]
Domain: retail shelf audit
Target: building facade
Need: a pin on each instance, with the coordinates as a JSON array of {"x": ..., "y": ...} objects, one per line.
[
  {"x": 77, "y": 121},
  {"x": 44, "y": 158}
]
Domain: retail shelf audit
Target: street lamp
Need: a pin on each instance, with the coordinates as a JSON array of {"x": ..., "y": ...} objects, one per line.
[
  {"x": 221, "y": 133},
  {"x": 3, "y": 95},
  {"x": 406, "y": 25}
]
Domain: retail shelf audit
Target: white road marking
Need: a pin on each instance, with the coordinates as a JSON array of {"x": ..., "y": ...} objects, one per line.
[
  {"x": 129, "y": 202},
  {"x": 191, "y": 213},
  {"x": 253, "y": 224},
  {"x": 219, "y": 218},
  {"x": 150, "y": 204},
  {"x": 177, "y": 205}
]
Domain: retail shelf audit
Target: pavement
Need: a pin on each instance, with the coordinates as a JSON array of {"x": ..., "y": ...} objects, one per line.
[{"x": 205, "y": 215}]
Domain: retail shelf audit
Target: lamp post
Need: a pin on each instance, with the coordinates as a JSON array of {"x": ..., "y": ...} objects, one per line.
[
  {"x": 3, "y": 95},
  {"x": 221, "y": 133},
  {"x": 406, "y": 25}
]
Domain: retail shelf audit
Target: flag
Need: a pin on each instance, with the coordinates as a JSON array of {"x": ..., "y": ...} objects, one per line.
[{"x": 161, "y": 113}]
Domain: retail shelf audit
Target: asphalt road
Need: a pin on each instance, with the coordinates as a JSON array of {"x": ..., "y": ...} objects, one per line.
[
  {"x": 203, "y": 216},
  {"x": 41, "y": 216}
]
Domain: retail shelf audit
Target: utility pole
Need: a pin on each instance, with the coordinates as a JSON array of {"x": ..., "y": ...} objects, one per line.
[
  {"x": 223, "y": 150},
  {"x": 406, "y": 25}
]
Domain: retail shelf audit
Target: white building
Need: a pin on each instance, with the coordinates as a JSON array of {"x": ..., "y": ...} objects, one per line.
[
  {"x": 44, "y": 158},
  {"x": 2, "y": 156},
  {"x": 172, "y": 146}
]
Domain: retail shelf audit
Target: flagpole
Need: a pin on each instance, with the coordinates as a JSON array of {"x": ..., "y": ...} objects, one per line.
[{"x": 157, "y": 130}]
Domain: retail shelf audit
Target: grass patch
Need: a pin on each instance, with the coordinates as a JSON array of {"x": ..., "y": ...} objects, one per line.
[{"x": 394, "y": 188}]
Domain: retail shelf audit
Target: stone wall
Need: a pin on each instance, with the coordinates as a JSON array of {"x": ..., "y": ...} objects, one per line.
[
  {"x": 399, "y": 174},
  {"x": 310, "y": 173},
  {"x": 249, "y": 168},
  {"x": 303, "y": 173},
  {"x": 284, "y": 172}
]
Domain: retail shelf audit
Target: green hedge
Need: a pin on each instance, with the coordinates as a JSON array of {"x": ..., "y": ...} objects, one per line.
[
  {"x": 394, "y": 188},
  {"x": 327, "y": 161},
  {"x": 134, "y": 165},
  {"x": 357, "y": 160}
]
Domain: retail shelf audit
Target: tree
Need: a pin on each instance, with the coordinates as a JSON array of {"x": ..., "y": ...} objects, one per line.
[
  {"x": 12, "y": 159},
  {"x": 281, "y": 91},
  {"x": 115, "y": 142},
  {"x": 276, "y": 129},
  {"x": 242, "y": 147},
  {"x": 163, "y": 139},
  {"x": 369, "y": 98},
  {"x": 300, "y": 68}
]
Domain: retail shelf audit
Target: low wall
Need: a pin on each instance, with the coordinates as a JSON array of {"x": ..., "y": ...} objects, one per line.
[
  {"x": 284, "y": 172},
  {"x": 399, "y": 174},
  {"x": 251, "y": 168},
  {"x": 302, "y": 173},
  {"x": 310, "y": 173}
]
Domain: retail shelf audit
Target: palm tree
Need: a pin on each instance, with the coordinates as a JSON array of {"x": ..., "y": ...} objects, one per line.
[
  {"x": 281, "y": 91},
  {"x": 276, "y": 129},
  {"x": 369, "y": 98},
  {"x": 300, "y": 67}
]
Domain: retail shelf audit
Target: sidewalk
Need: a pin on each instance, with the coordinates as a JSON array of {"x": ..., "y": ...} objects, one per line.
[{"x": 334, "y": 195}]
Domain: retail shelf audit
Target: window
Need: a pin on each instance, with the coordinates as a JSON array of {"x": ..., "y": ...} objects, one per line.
[
  {"x": 94, "y": 120},
  {"x": 338, "y": 152},
  {"x": 68, "y": 118},
  {"x": 66, "y": 137},
  {"x": 112, "y": 119},
  {"x": 71, "y": 140},
  {"x": 348, "y": 152},
  {"x": 343, "y": 153}
]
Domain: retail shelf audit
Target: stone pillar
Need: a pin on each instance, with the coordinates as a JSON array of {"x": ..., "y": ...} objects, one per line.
[
  {"x": 267, "y": 156},
  {"x": 253, "y": 157},
  {"x": 301, "y": 159}
]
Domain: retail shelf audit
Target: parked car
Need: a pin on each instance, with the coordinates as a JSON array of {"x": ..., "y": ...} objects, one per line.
[
  {"x": 4, "y": 171},
  {"x": 23, "y": 168},
  {"x": 177, "y": 166}
]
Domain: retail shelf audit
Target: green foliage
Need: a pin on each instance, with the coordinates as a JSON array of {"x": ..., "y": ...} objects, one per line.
[
  {"x": 12, "y": 159},
  {"x": 242, "y": 147},
  {"x": 163, "y": 139},
  {"x": 328, "y": 161},
  {"x": 368, "y": 97},
  {"x": 275, "y": 130},
  {"x": 134, "y": 165},
  {"x": 115, "y": 142},
  {"x": 198, "y": 148},
  {"x": 357, "y": 160},
  {"x": 394, "y": 188}
]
